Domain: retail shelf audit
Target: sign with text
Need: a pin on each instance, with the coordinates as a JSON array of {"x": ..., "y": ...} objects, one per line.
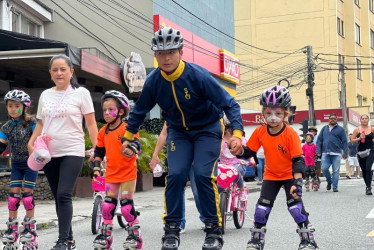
[
  {"x": 229, "y": 65},
  {"x": 133, "y": 73}
]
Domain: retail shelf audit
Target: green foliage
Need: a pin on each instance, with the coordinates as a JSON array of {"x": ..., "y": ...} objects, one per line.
[
  {"x": 153, "y": 126},
  {"x": 148, "y": 141}
]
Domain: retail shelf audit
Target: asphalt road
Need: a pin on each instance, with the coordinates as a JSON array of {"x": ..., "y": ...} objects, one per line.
[{"x": 343, "y": 220}]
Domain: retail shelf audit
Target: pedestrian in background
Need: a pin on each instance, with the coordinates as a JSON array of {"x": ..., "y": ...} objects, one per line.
[
  {"x": 318, "y": 163},
  {"x": 193, "y": 104},
  {"x": 66, "y": 144},
  {"x": 16, "y": 132},
  {"x": 260, "y": 165},
  {"x": 352, "y": 158},
  {"x": 309, "y": 151},
  {"x": 332, "y": 141},
  {"x": 364, "y": 136}
]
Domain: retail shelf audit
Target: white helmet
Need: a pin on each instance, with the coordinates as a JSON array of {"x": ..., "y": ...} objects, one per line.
[
  {"x": 120, "y": 97},
  {"x": 18, "y": 96}
]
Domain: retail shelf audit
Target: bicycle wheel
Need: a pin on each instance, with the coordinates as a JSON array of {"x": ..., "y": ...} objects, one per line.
[
  {"x": 223, "y": 200},
  {"x": 239, "y": 214},
  {"x": 121, "y": 221},
  {"x": 96, "y": 214}
]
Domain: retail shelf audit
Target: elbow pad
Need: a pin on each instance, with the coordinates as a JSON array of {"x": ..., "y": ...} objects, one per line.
[
  {"x": 298, "y": 165},
  {"x": 248, "y": 153},
  {"x": 2, "y": 147},
  {"x": 99, "y": 152}
]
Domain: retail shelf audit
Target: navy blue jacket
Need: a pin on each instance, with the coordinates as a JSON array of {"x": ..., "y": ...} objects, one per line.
[
  {"x": 190, "y": 98},
  {"x": 332, "y": 141}
]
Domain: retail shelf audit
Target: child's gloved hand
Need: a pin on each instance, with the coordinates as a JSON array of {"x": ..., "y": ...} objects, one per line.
[{"x": 157, "y": 171}]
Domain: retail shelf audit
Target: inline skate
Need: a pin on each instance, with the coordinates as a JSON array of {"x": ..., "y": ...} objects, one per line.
[
  {"x": 28, "y": 235},
  {"x": 134, "y": 239},
  {"x": 257, "y": 241},
  {"x": 105, "y": 239},
  {"x": 10, "y": 236},
  {"x": 307, "y": 238}
]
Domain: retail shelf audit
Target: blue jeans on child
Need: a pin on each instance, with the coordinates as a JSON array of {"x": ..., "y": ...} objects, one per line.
[{"x": 260, "y": 168}]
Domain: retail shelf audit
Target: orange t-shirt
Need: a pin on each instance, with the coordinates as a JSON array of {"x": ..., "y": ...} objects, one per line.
[
  {"x": 119, "y": 168},
  {"x": 279, "y": 150}
]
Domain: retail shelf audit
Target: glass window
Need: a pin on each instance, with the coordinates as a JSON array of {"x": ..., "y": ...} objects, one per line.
[
  {"x": 359, "y": 100},
  {"x": 371, "y": 5},
  {"x": 371, "y": 39},
  {"x": 358, "y": 36},
  {"x": 372, "y": 72},
  {"x": 358, "y": 66},
  {"x": 15, "y": 22}
]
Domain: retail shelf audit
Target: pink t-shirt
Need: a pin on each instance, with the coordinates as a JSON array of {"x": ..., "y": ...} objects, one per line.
[{"x": 309, "y": 153}]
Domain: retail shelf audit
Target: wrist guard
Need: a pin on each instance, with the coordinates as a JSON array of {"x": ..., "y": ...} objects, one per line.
[
  {"x": 134, "y": 145},
  {"x": 247, "y": 153},
  {"x": 2, "y": 147},
  {"x": 299, "y": 186}
]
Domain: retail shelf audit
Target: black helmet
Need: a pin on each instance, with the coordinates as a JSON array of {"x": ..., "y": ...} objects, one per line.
[
  {"x": 166, "y": 39},
  {"x": 276, "y": 96}
]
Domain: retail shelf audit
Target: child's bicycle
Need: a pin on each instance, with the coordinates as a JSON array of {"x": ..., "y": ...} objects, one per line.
[
  {"x": 229, "y": 204},
  {"x": 98, "y": 187}
]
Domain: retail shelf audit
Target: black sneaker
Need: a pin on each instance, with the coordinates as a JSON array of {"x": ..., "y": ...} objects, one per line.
[
  {"x": 71, "y": 245},
  {"x": 368, "y": 191},
  {"x": 335, "y": 190},
  {"x": 328, "y": 186},
  {"x": 60, "y": 245}
]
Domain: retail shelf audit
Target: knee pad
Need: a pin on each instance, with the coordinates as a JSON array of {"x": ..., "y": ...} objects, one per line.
[
  {"x": 28, "y": 201},
  {"x": 109, "y": 207},
  {"x": 13, "y": 201},
  {"x": 263, "y": 208},
  {"x": 296, "y": 209},
  {"x": 128, "y": 210}
]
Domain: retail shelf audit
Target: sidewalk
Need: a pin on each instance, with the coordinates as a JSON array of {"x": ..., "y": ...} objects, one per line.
[{"x": 45, "y": 213}]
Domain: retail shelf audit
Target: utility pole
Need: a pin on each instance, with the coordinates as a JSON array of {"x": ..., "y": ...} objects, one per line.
[
  {"x": 343, "y": 99},
  {"x": 309, "y": 90}
]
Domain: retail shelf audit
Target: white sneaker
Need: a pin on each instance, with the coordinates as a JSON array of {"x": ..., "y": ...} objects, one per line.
[{"x": 182, "y": 231}]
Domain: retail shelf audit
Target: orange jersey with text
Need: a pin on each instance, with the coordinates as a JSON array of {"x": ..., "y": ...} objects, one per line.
[
  {"x": 118, "y": 168},
  {"x": 279, "y": 150}
]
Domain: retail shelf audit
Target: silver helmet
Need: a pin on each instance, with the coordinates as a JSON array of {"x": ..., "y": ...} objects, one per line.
[
  {"x": 275, "y": 96},
  {"x": 166, "y": 39}
]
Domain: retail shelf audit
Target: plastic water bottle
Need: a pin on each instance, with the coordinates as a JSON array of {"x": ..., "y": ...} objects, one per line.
[{"x": 363, "y": 139}]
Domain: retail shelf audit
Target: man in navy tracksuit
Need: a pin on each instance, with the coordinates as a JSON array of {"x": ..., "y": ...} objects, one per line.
[{"x": 192, "y": 104}]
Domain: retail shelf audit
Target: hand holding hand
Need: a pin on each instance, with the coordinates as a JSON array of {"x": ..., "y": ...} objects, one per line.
[
  {"x": 235, "y": 145},
  {"x": 125, "y": 149}
]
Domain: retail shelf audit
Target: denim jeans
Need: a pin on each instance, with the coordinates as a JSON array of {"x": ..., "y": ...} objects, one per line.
[
  {"x": 260, "y": 168},
  {"x": 334, "y": 161}
]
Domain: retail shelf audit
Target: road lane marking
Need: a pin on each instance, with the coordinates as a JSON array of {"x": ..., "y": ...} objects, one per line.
[
  {"x": 371, "y": 234},
  {"x": 370, "y": 214}
]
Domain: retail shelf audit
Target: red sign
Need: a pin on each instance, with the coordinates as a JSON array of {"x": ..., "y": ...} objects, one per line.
[
  {"x": 230, "y": 69},
  {"x": 321, "y": 114}
]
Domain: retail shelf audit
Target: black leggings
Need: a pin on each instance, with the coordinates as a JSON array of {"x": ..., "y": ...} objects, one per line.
[
  {"x": 62, "y": 172},
  {"x": 270, "y": 190},
  {"x": 365, "y": 165}
]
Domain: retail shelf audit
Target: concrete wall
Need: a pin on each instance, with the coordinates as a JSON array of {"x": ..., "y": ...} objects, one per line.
[{"x": 116, "y": 30}]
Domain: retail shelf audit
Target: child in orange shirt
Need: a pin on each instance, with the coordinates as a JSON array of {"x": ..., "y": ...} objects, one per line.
[
  {"x": 120, "y": 172},
  {"x": 285, "y": 166}
]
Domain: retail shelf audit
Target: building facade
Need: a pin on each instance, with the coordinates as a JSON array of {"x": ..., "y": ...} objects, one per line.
[{"x": 337, "y": 30}]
